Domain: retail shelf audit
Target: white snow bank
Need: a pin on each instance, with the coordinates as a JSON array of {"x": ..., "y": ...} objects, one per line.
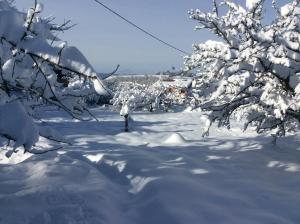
[
  {"x": 112, "y": 178},
  {"x": 175, "y": 139}
]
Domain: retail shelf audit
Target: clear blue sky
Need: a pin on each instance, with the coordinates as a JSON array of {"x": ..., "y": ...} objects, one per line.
[{"x": 106, "y": 40}]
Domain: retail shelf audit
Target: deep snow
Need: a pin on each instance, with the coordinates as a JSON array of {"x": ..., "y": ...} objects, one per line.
[{"x": 161, "y": 172}]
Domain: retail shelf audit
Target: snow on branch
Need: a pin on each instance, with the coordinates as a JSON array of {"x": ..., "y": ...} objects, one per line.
[
  {"x": 253, "y": 73},
  {"x": 35, "y": 66}
]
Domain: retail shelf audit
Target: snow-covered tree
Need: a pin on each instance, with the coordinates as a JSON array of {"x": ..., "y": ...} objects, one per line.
[
  {"x": 151, "y": 94},
  {"x": 252, "y": 72},
  {"x": 38, "y": 68},
  {"x": 136, "y": 96}
]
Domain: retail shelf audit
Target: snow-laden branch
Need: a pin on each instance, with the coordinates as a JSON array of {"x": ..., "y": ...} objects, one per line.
[
  {"x": 35, "y": 66},
  {"x": 253, "y": 74}
]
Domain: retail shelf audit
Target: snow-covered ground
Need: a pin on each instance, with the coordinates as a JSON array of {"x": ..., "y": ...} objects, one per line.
[{"x": 162, "y": 172}]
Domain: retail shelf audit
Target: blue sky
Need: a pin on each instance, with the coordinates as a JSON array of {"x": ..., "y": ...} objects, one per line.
[{"x": 106, "y": 40}]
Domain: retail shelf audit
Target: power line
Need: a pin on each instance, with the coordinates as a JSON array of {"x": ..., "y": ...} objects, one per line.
[{"x": 141, "y": 29}]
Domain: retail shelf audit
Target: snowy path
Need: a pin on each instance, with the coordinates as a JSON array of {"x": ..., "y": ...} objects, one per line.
[{"x": 112, "y": 177}]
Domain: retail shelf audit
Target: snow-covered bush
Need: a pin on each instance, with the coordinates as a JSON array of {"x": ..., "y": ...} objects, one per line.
[
  {"x": 149, "y": 94},
  {"x": 36, "y": 67},
  {"x": 135, "y": 96},
  {"x": 253, "y": 72}
]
